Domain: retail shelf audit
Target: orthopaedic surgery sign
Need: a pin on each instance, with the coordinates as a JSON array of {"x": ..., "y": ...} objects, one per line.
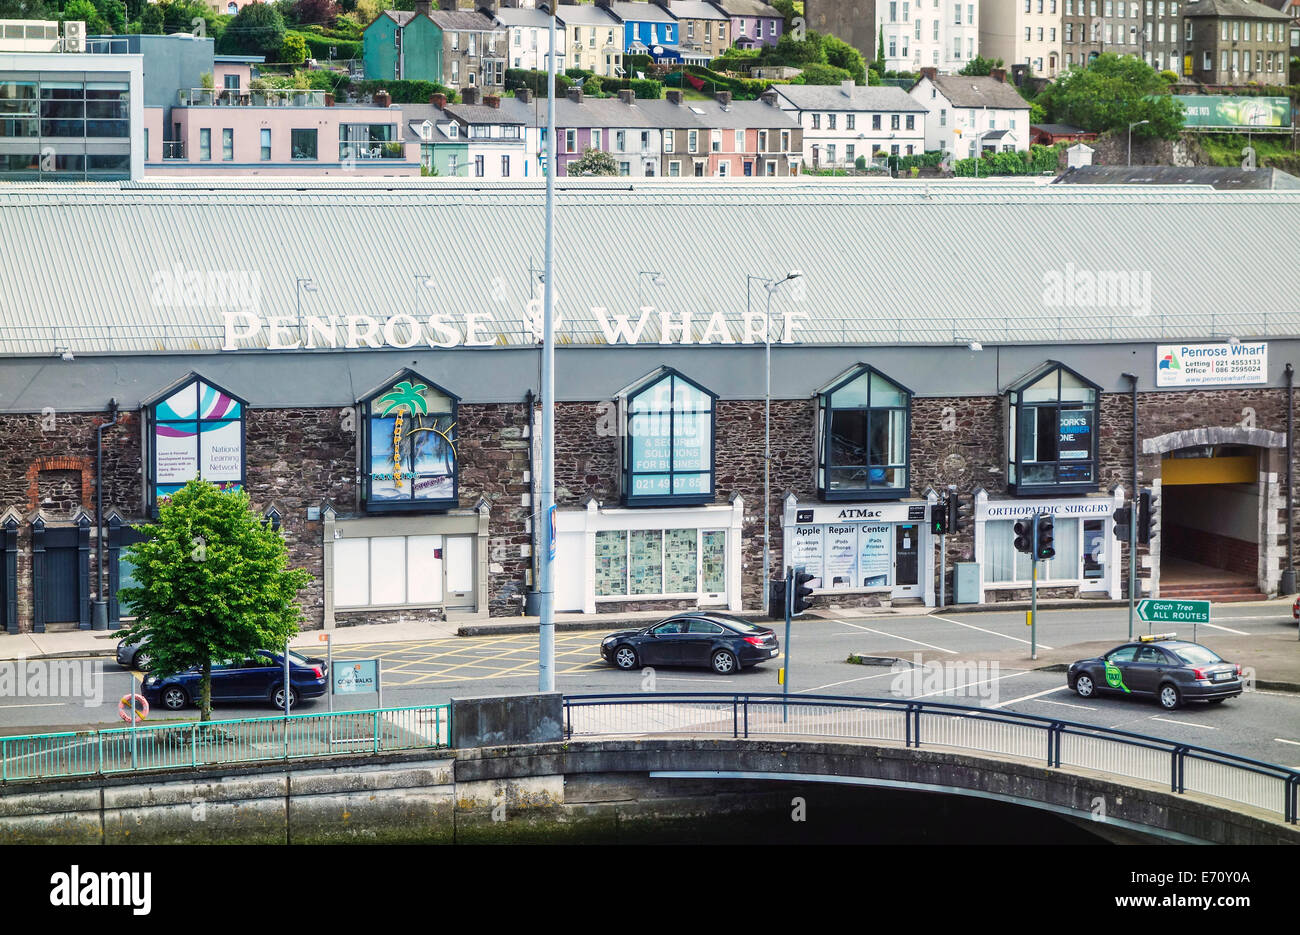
[
  {"x": 1211, "y": 364},
  {"x": 246, "y": 330}
]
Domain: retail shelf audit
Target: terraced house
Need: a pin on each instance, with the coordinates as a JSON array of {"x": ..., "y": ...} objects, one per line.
[{"x": 1235, "y": 43}]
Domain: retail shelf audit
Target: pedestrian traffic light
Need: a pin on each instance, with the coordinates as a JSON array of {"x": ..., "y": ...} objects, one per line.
[
  {"x": 1123, "y": 518},
  {"x": 954, "y": 512},
  {"x": 1025, "y": 536},
  {"x": 802, "y": 592},
  {"x": 1043, "y": 536},
  {"x": 776, "y": 599},
  {"x": 1148, "y": 516},
  {"x": 938, "y": 518}
]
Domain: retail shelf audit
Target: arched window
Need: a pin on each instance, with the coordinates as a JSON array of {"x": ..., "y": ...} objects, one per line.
[
  {"x": 194, "y": 431},
  {"x": 1052, "y": 419},
  {"x": 865, "y": 420},
  {"x": 409, "y": 445},
  {"x": 668, "y": 442}
]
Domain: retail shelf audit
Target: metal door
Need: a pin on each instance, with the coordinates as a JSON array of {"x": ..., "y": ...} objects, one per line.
[
  {"x": 907, "y": 550},
  {"x": 59, "y": 589}
]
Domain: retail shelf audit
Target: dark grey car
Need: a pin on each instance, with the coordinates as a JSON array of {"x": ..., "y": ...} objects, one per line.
[{"x": 1172, "y": 671}]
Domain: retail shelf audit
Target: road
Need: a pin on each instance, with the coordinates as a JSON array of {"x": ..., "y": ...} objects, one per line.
[{"x": 992, "y": 646}]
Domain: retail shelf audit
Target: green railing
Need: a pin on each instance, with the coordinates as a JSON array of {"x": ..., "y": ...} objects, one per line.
[{"x": 222, "y": 743}]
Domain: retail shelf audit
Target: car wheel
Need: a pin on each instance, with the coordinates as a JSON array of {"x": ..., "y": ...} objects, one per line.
[
  {"x": 1170, "y": 699},
  {"x": 724, "y": 663},
  {"x": 142, "y": 661},
  {"x": 174, "y": 698},
  {"x": 277, "y": 698},
  {"x": 625, "y": 657},
  {"x": 1084, "y": 687}
]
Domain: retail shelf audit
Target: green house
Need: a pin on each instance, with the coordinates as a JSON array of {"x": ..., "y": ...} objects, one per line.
[{"x": 402, "y": 45}]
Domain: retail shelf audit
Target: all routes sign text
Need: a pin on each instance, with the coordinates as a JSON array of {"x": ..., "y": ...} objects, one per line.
[{"x": 1171, "y": 611}]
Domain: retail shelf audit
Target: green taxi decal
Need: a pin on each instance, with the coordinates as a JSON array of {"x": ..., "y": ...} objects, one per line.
[{"x": 1114, "y": 678}]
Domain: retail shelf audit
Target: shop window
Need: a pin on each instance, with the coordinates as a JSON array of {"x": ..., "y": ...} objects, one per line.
[
  {"x": 668, "y": 444},
  {"x": 1004, "y": 565},
  {"x": 1052, "y": 417},
  {"x": 409, "y": 446},
  {"x": 388, "y": 571},
  {"x": 660, "y": 562},
  {"x": 864, "y": 422},
  {"x": 195, "y": 431}
]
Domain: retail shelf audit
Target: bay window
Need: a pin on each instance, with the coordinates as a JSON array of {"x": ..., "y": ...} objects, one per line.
[
  {"x": 409, "y": 446},
  {"x": 864, "y": 422},
  {"x": 668, "y": 443},
  {"x": 1052, "y": 419}
]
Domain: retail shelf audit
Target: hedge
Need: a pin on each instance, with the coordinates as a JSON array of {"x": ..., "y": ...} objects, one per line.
[
  {"x": 403, "y": 92},
  {"x": 1038, "y": 160},
  {"x": 645, "y": 89},
  {"x": 318, "y": 47},
  {"x": 535, "y": 81}
]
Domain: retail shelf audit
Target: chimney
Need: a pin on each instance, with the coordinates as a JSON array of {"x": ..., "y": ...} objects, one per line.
[
  {"x": 438, "y": 100},
  {"x": 492, "y": 100},
  {"x": 421, "y": 7},
  {"x": 627, "y": 96},
  {"x": 383, "y": 99},
  {"x": 674, "y": 96},
  {"x": 329, "y": 98},
  {"x": 846, "y": 87},
  {"x": 724, "y": 98},
  {"x": 768, "y": 98},
  {"x": 930, "y": 73},
  {"x": 575, "y": 95},
  {"x": 524, "y": 95},
  {"x": 469, "y": 95},
  {"x": 999, "y": 74}
]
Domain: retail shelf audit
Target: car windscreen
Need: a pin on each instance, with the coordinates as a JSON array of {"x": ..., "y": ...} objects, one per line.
[
  {"x": 736, "y": 623},
  {"x": 1195, "y": 655}
]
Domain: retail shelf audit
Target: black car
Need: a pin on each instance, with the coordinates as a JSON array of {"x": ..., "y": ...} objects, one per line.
[
  {"x": 1170, "y": 670},
  {"x": 719, "y": 641},
  {"x": 259, "y": 677}
]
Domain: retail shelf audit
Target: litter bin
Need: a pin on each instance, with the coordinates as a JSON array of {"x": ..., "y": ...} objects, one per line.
[{"x": 966, "y": 583}]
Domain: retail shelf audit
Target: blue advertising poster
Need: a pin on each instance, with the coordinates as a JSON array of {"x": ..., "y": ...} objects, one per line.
[{"x": 357, "y": 677}]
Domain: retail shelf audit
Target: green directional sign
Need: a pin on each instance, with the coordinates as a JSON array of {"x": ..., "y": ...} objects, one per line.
[{"x": 1154, "y": 610}]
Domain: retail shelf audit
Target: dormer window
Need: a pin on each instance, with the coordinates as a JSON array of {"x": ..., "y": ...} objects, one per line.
[
  {"x": 668, "y": 442},
  {"x": 1052, "y": 419},
  {"x": 409, "y": 446},
  {"x": 864, "y": 422}
]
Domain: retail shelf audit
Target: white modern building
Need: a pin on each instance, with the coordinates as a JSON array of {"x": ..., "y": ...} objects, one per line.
[
  {"x": 841, "y": 123},
  {"x": 942, "y": 34},
  {"x": 967, "y": 111},
  {"x": 1022, "y": 32}
]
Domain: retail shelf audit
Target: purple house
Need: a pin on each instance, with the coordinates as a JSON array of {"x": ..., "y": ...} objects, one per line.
[{"x": 753, "y": 23}]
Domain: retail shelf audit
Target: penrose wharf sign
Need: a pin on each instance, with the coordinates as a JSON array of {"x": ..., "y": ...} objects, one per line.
[{"x": 251, "y": 331}]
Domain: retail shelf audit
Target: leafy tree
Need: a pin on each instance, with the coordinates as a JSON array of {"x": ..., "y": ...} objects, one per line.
[
  {"x": 323, "y": 12},
  {"x": 257, "y": 29},
  {"x": 85, "y": 11},
  {"x": 593, "y": 162},
  {"x": 212, "y": 583},
  {"x": 880, "y": 51},
  {"x": 980, "y": 66},
  {"x": 151, "y": 19},
  {"x": 791, "y": 51},
  {"x": 1111, "y": 93},
  {"x": 26, "y": 9},
  {"x": 294, "y": 50},
  {"x": 842, "y": 55},
  {"x": 814, "y": 73},
  {"x": 787, "y": 10},
  {"x": 112, "y": 12}
]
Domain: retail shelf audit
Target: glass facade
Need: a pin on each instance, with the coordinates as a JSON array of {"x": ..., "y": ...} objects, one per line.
[
  {"x": 65, "y": 126},
  {"x": 864, "y": 424},
  {"x": 1052, "y": 421},
  {"x": 668, "y": 446}
]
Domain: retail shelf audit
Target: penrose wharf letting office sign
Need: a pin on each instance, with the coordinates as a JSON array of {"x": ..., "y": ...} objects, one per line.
[
  {"x": 245, "y": 330},
  {"x": 1211, "y": 364}
]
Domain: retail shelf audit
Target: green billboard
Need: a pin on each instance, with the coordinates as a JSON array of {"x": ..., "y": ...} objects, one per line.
[{"x": 1214, "y": 110}]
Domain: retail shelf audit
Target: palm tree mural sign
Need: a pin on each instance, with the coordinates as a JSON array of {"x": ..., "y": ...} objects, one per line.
[{"x": 407, "y": 404}]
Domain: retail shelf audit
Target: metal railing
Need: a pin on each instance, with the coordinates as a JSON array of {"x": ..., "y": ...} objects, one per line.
[
  {"x": 1183, "y": 767},
  {"x": 222, "y": 743}
]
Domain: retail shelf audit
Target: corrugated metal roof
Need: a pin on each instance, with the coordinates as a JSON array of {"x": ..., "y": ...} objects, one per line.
[{"x": 88, "y": 267}]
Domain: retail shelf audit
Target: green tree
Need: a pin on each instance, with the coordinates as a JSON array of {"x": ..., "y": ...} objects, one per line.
[
  {"x": 257, "y": 29},
  {"x": 212, "y": 583},
  {"x": 1111, "y": 93},
  {"x": 980, "y": 65},
  {"x": 86, "y": 12},
  {"x": 787, "y": 10},
  {"x": 294, "y": 49},
  {"x": 880, "y": 51},
  {"x": 814, "y": 73},
  {"x": 842, "y": 55},
  {"x": 791, "y": 51},
  {"x": 593, "y": 162},
  {"x": 27, "y": 9}
]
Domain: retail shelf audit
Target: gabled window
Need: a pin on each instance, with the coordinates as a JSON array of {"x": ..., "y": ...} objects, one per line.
[
  {"x": 195, "y": 431},
  {"x": 864, "y": 423},
  {"x": 1052, "y": 419},
  {"x": 409, "y": 445},
  {"x": 668, "y": 442}
]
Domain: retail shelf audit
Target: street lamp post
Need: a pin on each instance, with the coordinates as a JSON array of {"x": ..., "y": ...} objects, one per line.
[
  {"x": 658, "y": 280},
  {"x": 300, "y": 285},
  {"x": 1129, "y": 161},
  {"x": 546, "y": 508}
]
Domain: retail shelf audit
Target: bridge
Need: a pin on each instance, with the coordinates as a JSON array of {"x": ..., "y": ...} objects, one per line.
[{"x": 579, "y": 767}]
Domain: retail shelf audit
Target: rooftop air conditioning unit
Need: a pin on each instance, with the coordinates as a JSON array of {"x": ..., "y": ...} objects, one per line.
[{"x": 74, "y": 36}]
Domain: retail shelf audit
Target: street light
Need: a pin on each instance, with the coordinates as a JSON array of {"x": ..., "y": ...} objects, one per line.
[
  {"x": 658, "y": 281},
  {"x": 310, "y": 286},
  {"x": 1130, "y": 139},
  {"x": 771, "y": 286}
]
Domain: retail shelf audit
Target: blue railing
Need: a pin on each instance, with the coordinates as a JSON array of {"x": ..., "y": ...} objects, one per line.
[{"x": 1182, "y": 767}]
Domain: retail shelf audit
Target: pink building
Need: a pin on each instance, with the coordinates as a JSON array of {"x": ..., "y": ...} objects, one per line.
[{"x": 230, "y": 131}]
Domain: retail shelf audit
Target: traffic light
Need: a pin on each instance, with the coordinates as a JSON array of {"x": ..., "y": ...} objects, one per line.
[
  {"x": 802, "y": 592},
  {"x": 1148, "y": 517},
  {"x": 776, "y": 599},
  {"x": 1043, "y": 534},
  {"x": 938, "y": 518},
  {"x": 954, "y": 512},
  {"x": 1025, "y": 536},
  {"x": 1123, "y": 518}
]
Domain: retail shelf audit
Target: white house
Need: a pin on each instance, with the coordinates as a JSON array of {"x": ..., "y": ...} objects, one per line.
[
  {"x": 964, "y": 110},
  {"x": 845, "y": 121},
  {"x": 528, "y": 38},
  {"x": 594, "y": 38},
  {"x": 942, "y": 34}
]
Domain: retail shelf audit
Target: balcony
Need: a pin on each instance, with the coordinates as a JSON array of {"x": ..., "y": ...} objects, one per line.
[
  {"x": 173, "y": 149},
  {"x": 377, "y": 149},
  {"x": 269, "y": 97}
]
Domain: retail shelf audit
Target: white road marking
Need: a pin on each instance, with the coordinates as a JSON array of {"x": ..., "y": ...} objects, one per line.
[
  {"x": 660, "y": 678},
  {"x": 1156, "y": 717},
  {"x": 45, "y": 704},
  {"x": 1046, "y": 691},
  {"x": 862, "y": 678},
  {"x": 856, "y": 626},
  {"x": 1066, "y": 704},
  {"x": 982, "y": 630},
  {"x": 1225, "y": 629},
  {"x": 1295, "y": 743},
  {"x": 968, "y": 684}
]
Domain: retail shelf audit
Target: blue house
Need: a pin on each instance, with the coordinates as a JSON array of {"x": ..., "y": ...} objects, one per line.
[{"x": 648, "y": 29}]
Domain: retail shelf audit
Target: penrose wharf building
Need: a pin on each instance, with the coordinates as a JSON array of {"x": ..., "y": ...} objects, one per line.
[{"x": 363, "y": 359}]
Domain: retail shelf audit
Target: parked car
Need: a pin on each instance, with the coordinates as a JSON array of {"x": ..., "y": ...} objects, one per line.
[
  {"x": 719, "y": 641},
  {"x": 259, "y": 677},
  {"x": 1172, "y": 671},
  {"x": 133, "y": 655},
  {"x": 1295, "y": 609}
]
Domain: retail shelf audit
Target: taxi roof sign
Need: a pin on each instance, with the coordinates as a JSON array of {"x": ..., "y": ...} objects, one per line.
[{"x": 1153, "y": 637}]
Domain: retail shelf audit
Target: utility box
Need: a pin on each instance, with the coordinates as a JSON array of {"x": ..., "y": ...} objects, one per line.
[{"x": 966, "y": 583}]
